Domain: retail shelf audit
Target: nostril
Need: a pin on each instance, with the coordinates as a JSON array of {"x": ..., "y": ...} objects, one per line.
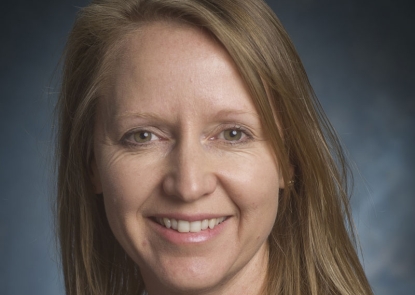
[
  {"x": 189, "y": 186},
  {"x": 168, "y": 185}
]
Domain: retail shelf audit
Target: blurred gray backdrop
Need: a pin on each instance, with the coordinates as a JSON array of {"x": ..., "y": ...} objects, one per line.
[{"x": 359, "y": 57}]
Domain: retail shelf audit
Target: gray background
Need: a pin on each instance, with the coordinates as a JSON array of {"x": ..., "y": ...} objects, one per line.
[{"x": 359, "y": 57}]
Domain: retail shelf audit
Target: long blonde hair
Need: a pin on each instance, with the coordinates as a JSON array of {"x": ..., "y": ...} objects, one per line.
[{"x": 312, "y": 244}]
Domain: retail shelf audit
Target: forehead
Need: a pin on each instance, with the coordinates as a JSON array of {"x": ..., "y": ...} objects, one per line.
[{"x": 179, "y": 64}]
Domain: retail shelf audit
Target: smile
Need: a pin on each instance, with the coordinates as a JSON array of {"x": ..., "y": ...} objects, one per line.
[{"x": 184, "y": 226}]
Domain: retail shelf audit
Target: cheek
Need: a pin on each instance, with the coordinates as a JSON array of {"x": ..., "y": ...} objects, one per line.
[
  {"x": 255, "y": 186},
  {"x": 127, "y": 184},
  {"x": 120, "y": 198}
]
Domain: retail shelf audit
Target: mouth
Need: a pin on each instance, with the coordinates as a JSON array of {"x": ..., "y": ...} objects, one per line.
[{"x": 184, "y": 226}]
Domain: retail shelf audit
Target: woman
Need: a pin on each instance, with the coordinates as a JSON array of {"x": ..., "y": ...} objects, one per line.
[{"x": 194, "y": 158}]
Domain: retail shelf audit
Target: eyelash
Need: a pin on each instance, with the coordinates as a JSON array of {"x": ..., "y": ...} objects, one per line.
[
  {"x": 246, "y": 133},
  {"x": 129, "y": 142},
  {"x": 126, "y": 141}
]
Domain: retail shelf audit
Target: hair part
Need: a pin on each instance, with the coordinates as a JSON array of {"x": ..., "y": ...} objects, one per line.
[{"x": 312, "y": 244}]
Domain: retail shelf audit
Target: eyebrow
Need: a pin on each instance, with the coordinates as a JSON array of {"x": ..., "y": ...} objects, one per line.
[
  {"x": 217, "y": 115},
  {"x": 138, "y": 115},
  {"x": 230, "y": 112},
  {"x": 124, "y": 117}
]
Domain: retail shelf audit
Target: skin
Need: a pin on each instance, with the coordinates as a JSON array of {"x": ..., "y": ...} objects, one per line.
[{"x": 181, "y": 87}]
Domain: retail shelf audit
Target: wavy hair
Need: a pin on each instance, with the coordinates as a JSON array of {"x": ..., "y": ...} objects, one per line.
[{"x": 312, "y": 245}]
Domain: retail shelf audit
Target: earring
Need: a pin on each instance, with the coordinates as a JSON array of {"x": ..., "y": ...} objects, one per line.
[{"x": 291, "y": 183}]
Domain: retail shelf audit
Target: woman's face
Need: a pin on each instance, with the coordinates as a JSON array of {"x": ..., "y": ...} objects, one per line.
[{"x": 189, "y": 183}]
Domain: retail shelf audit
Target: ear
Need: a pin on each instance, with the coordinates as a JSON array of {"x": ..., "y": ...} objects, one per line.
[
  {"x": 290, "y": 180},
  {"x": 94, "y": 177},
  {"x": 281, "y": 181}
]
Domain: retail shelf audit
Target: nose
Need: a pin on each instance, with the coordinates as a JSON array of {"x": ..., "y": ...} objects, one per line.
[{"x": 191, "y": 174}]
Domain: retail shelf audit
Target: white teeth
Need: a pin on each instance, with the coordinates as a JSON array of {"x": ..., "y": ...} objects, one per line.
[
  {"x": 174, "y": 224},
  {"x": 167, "y": 222},
  {"x": 205, "y": 224},
  {"x": 184, "y": 226},
  {"x": 195, "y": 226},
  {"x": 212, "y": 223}
]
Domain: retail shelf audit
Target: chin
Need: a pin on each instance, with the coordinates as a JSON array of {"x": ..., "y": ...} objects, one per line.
[{"x": 189, "y": 276}]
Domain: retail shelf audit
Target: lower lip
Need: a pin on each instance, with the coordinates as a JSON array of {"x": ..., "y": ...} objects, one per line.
[{"x": 179, "y": 238}]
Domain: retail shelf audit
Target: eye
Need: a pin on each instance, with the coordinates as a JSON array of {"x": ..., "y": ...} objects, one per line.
[
  {"x": 143, "y": 136},
  {"x": 232, "y": 134}
]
